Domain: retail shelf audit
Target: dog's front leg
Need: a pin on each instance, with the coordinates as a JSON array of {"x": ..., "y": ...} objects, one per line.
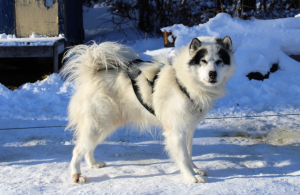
[
  {"x": 190, "y": 135},
  {"x": 176, "y": 145}
]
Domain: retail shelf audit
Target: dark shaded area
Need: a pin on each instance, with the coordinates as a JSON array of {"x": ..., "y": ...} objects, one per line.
[
  {"x": 295, "y": 57},
  {"x": 151, "y": 15},
  {"x": 15, "y": 72},
  {"x": 260, "y": 77},
  {"x": 7, "y": 17},
  {"x": 72, "y": 21}
]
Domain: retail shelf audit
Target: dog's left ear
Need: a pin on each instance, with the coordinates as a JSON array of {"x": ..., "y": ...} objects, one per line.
[
  {"x": 227, "y": 43},
  {"x": 194, "y": 46}
]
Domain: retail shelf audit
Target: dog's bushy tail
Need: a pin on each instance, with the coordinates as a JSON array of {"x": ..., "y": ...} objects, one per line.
[{"x": 84, "y": 61}]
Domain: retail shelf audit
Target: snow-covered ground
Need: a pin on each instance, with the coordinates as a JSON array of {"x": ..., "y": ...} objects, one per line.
[
  {"x": 250, "y": 155},
  {"x": 33, "y": 40}
]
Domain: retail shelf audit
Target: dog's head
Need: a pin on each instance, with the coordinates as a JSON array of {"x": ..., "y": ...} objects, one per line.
[{"x": 211, "y": 60}]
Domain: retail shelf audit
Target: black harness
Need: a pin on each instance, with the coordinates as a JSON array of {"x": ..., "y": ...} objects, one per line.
[
  {"x": 182, "y": 88},
  {"x": 139, "y": 97}
]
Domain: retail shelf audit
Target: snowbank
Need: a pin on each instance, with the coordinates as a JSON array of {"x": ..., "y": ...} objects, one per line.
[{"x": 47, "y": 99}]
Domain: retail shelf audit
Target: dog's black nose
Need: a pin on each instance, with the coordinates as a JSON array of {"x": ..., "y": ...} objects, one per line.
[{"x": 212, "y": 75}]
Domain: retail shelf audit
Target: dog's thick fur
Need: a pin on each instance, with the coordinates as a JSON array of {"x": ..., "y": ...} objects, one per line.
[{"x": 114, "y": 89}]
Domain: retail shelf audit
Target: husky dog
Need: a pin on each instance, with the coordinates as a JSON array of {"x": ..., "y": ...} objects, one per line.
[{"x": 114, "y": 88}]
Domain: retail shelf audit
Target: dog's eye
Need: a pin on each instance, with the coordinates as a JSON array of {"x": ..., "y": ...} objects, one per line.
[
  {"x": 219, "y": 62},
  {"x": 204, "y": 61}
]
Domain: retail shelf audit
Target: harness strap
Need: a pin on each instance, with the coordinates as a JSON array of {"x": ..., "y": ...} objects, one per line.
[
  {"x": 183, "y": 89},
  {"x": 139, "y": 97},
  {"x": 136, "y": 90},
  {"x": 152, "y": 83}
]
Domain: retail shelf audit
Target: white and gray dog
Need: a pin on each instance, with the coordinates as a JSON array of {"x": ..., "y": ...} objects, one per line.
[{"x": 114, "y": 88}]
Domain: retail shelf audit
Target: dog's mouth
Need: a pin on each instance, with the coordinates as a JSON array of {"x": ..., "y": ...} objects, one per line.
[{"x": 211, "y": 82}]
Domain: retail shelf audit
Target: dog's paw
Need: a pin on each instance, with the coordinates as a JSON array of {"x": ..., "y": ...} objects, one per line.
[
  {"x": 200, "y": 171},
  {"x": 196, "y": 179},
  {"x": 78, "y": 178},
  {"x": 98, "y": 165}
]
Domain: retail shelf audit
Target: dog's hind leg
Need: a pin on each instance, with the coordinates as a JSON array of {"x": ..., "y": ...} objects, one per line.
[
  {"x": 176, "y": 145},
  {"x": 190, "y": 136},
  {"x": 85, "y": 148},
  {"x": 90, "y": 160},
  {"x": 86, "y": 144},
  {"x": 89, "y": 156}
]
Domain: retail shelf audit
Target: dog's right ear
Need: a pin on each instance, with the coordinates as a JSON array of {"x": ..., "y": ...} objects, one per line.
[{"x": 194, "y": 46}]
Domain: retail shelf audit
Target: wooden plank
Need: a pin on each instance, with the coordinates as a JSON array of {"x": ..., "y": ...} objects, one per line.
[
  {"x": 34, "y": 16},
  {"x": 61, "y": 48},
  {"x": 26, "y": 51},
  {"x": 35, "y": 51},
  {"x": 61, "y": 45}
]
